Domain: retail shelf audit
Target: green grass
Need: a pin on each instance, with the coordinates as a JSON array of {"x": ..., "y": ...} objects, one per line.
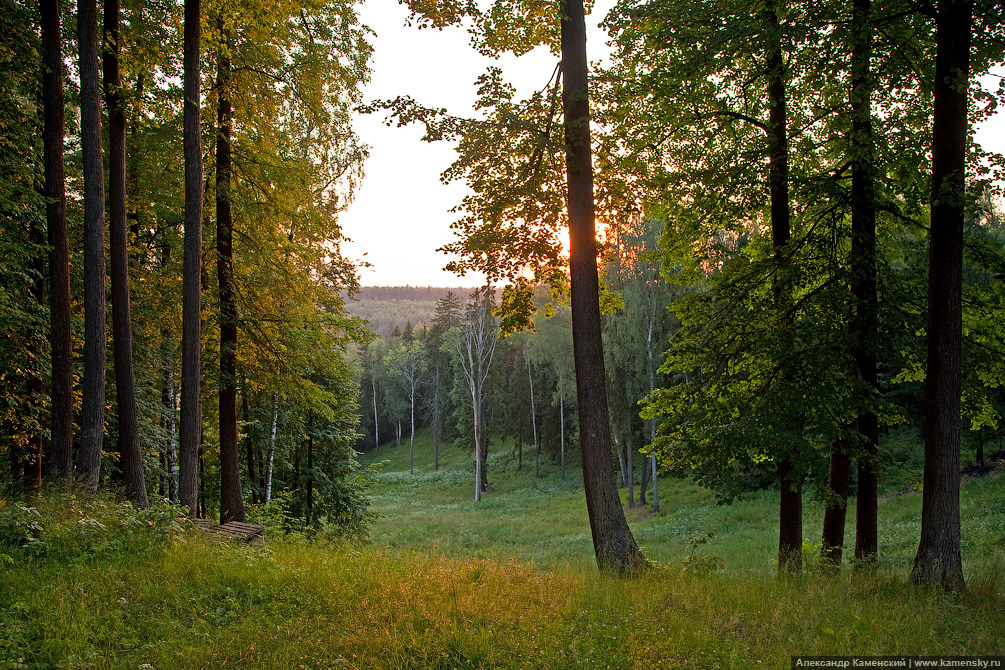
[
  {"x": 544, "y": 520},
  {"x": 447, "y": 583}
]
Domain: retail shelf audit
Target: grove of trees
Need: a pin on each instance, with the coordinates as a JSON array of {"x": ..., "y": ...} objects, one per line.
[
  {"x": 783, "y": 241},
  {"x": 224, "y": 138}
]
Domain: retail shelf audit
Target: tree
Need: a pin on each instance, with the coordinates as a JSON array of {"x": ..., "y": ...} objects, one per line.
[
  {"x": 473, "y": 345},
  {"x": 191, "y": 377},
  {"x": 938, "y": 560},
  {"x": 92, "y": 422},
  {"x": 61, "y": 333},
  {"x": 406, "y": 363},
  {"x": 131, "y": 458},
  {"x": 232, "y": 501}
]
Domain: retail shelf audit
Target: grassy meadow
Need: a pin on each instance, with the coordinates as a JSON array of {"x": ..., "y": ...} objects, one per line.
[{"x": 445, "y": 583}]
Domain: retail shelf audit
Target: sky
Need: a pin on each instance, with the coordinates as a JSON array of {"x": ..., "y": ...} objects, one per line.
[{"x": 401, "y": 213}]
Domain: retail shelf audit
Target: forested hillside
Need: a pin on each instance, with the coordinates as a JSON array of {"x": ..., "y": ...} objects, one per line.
[
  {"x": 744, "y": 276},
  {"x": 387, "y": 308}
]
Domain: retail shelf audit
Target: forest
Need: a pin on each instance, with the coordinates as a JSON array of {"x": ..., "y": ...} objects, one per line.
[{"x": 747, "y": 267}]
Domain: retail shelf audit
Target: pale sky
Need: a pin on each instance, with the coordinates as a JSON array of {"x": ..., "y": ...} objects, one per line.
[{"x": 400, "y": 214}]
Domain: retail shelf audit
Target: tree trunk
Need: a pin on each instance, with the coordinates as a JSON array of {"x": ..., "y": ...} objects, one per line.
[
  {"x": 533, "y": 421},
  {"x": 613, "y": 543},
  {"x": 561, "y": 421},
  {"x": 36, "y": 386},
  {"x": 61, "y": 333},
  {"x": 790, "y": 528},
  {"x": 191, "y": 409},
  {"x": 130, "y": 456},
  {"x": 271, "y": 455},
  {"x": 376, "y": 425},
  {"x": 790, "y": 519},
  {"x": 644, "y": 482},
  {"x": 92, "y": 422},
  {"x": 938, "y": 560},
  {"x": 476, "y": 406},
  {"x": 231, "y": 499},
  {"x": 630, "y": 458},
  {"x": 839, "y": 475},
  {"x": 249, "y": 445},
  {"x": 863, "y": 326},
  {"x": 436, "y": 421},
  {"x": 310, "y": 469},
  {"x": 656, "y": 491},
  {"x": 411, "y": 435},
  {"x": 168, "y": 398}
]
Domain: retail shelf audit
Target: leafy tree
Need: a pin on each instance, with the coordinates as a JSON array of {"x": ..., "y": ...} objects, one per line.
[
  {"x": 938, "y": 559},
  {"x": 473, "y": 345},
  {"x": 406, "y": 364}
]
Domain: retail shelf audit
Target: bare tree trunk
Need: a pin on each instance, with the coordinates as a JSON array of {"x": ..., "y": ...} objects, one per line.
[
  {"x": 61, "y": 333},
  {"x": 645, "y": 481},
  {"x": 191, "y": 409},
  {"x": 613, "y": 543},
  {"x": 231, "y": 498},
  {"x": 938, "y": 560},
  {"x": 92, "y": 428},
  {"x": 270, "y": 457},
  {"x": 131, "y": 458}
]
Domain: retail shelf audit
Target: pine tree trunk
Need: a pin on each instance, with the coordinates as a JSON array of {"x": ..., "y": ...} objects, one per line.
[
  {"x": 130, "y": 456},
  {"x": 231, "y": 499},
  {"x": 92, "y": 421},
  {"x": 938, "y": 560},
  {"x": 191, "y": 373},
  {"x": 61, "y": 333},
  {"x": 613, "y": 544},
  {"x": 863, "y": 326}
]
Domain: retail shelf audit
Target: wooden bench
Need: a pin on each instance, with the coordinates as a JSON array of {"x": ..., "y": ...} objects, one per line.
[{"x": 236, "y": 530}]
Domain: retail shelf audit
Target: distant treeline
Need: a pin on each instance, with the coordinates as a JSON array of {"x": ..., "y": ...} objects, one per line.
[{"x": 416, "y": 293}]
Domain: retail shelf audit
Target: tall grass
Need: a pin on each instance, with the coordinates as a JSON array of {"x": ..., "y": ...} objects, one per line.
[{"x": 447, "y": 583}]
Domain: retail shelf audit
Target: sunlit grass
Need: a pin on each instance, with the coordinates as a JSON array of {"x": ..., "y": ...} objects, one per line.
[{"x": 507, "y": 583}]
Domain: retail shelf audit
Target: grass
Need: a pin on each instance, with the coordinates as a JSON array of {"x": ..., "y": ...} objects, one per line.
[
  {"x": 445, "y": 583},
  {"x": 543, "y": 521}
]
